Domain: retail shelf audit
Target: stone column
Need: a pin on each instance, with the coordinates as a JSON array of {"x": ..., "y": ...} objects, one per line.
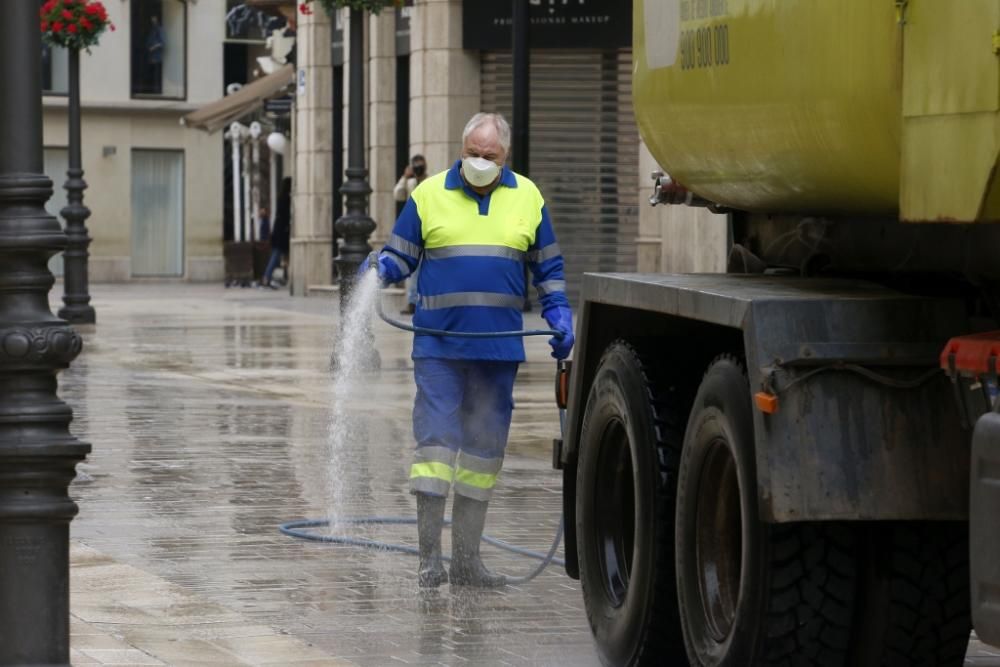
[
  {"x": 382, "y": 122},
  {"x": 444, "y": 82},
  {"x": 649, "y": 243},
  {"x": 312, "y": 218},
  {"x": 695, "y": 240},
  {"x": 677, "y": 239}
]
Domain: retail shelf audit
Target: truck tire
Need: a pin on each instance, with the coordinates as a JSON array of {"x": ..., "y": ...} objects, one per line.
[
  {"x": 626, "y": 483},
  {"x": 752, "y": 593},
  {"x": 915, "y": 608}
]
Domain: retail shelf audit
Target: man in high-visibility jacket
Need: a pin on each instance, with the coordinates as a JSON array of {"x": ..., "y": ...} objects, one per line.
[{"x": 473, "y": 227}]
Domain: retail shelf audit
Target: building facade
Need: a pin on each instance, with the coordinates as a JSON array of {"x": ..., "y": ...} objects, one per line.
[
  {"x": 154, "y": 187},
  {"x": 158, "y": 192},
  {"x": 430, "y": 66}
]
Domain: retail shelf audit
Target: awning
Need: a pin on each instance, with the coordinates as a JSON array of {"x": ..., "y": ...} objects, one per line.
[{"x": 220, "y": 113}]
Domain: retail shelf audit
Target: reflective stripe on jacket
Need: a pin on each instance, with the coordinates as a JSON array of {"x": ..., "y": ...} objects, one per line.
[{"x": 474, "y": 249}]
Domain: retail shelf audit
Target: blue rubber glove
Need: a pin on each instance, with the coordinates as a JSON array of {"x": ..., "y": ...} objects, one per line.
[
  {"x": 373, "y": 262},
  {"x": 560, "y": 319}
]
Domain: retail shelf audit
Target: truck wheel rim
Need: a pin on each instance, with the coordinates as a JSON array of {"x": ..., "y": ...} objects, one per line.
[
  {"x": 615, "y": 502},
  {"x": 719, "y": 539}
]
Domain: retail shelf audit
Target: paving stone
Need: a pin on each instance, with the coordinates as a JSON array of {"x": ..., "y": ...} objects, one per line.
[
  {"x": 77, "y": 658},
  {"x": 188, "y": 651},
  {"x": 129, "y": 656}
]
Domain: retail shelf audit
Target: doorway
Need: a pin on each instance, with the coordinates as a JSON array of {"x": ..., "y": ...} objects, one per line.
[{"x": 157, "y": 213}]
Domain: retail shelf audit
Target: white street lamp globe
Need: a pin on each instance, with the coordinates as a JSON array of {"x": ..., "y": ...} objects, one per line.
[{"x": 277, "y": 142}]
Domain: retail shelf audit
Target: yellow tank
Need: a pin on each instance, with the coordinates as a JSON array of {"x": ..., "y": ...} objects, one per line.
[{"x": 867, "y": 107}]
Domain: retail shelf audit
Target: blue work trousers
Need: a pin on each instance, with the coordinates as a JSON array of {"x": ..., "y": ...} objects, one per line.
[{"x": 461, "y": 419}]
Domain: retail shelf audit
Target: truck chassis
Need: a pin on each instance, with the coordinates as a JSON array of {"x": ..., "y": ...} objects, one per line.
[{"x": 766, "y": 469}]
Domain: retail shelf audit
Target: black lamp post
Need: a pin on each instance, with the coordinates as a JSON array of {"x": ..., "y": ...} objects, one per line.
[
  {"x": 522, "y": 86},
  {"x": 355, "y": 226},
  {"x": 37, "y": 453},
  {"x": 75, "y": 281},
  {"x": 522, "y": 105}
]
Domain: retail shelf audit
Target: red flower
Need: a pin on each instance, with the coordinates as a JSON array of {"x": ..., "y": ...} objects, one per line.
[
  {"x": 305, "y": 9},
  {"x": 76, "y": 23}
]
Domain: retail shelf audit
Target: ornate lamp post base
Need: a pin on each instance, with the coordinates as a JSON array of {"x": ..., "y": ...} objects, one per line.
[{"x": 78, "y": 314}]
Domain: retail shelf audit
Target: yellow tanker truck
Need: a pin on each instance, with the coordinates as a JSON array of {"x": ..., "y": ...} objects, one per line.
[{"x": 798, "y": 462}]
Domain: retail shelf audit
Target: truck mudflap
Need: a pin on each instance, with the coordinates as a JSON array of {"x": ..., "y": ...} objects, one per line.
[{"x": 984, "y": 528}]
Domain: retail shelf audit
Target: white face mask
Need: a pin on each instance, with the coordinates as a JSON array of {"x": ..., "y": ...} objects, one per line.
[{"x": 479, "y": 172}]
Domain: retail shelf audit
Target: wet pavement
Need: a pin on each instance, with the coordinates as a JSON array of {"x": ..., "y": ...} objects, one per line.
[{"x": 208, "y": 410}]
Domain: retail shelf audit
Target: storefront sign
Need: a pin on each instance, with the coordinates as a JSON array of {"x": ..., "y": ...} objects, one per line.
[{"x": 555, "y": 24}]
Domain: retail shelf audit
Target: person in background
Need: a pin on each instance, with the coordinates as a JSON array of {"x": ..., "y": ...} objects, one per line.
[
  {"x": 264, "y": 233},
  {"x": 281, "y": 232},
  {"x": 155, "y": 44},
  {"x": 413, "y": 175}
]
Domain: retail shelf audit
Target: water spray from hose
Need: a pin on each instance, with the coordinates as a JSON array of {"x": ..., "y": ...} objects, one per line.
[{"x": 347, "y": 350}]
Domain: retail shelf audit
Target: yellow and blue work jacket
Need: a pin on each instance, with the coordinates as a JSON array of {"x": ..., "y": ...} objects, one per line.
[{"x": 471, "y": 250}]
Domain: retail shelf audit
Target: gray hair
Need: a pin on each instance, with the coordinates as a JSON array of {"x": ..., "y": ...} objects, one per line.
[{"x": 498, "y": 121}]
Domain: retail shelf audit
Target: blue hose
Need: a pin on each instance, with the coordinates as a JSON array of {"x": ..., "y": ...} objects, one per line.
[
  {"x": 294, "y": 528},
  {"x": 463, "y": 334}
]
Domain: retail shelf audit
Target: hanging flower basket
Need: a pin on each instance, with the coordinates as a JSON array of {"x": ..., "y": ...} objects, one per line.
[
  {"x": 73, "y": 24},
  {"x": 330, "y": 6}
]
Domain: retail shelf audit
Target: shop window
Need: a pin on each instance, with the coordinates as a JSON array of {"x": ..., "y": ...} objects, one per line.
[
  {"x": 159, "y": 48},
  {"x": 55, "y": 70}
]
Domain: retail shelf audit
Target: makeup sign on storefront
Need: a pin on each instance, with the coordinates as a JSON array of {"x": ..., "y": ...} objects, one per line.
[{"x": 555, "y": 24}]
